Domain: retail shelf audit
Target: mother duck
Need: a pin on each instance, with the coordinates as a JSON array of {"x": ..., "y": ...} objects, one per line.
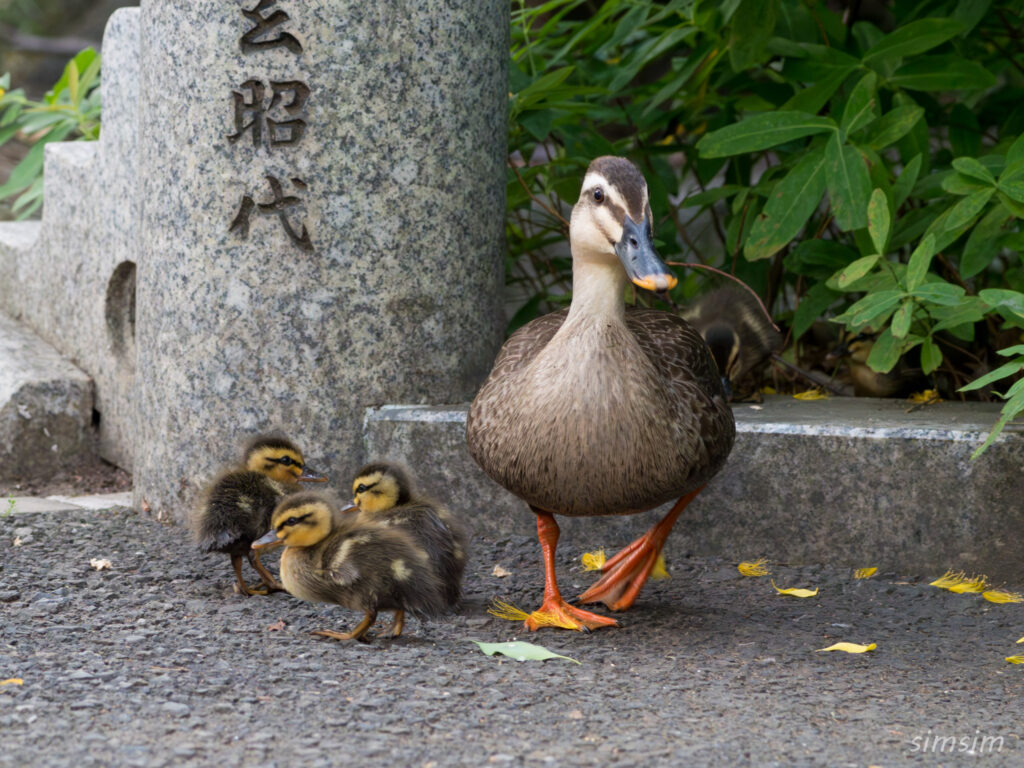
[{"x": 600, "y": 409}]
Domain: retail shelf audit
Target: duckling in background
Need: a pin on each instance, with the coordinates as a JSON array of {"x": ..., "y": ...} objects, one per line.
[
  {"x": 384, "y": 494},
  {"x": 236, "y": 507},
  {"x": 741, "y": 338},
  {"x": 332, "y": 556},
  {"x": 899, "y": 382}
]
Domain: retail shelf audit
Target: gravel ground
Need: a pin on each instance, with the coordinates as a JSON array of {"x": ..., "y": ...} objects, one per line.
[{"x": 156, "y": 662}]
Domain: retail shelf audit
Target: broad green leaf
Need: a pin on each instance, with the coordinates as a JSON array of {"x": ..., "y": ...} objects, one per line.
[
  {"x": 812, "y": 98},
  {"x": 913, "y": 38},
  {"x": 968, "y": 311},
  {"x": 919, "y": 262},
  {"x": 892, "y": 126},
  {"x": 964, "y": 131},
  {"x": 970, "y": 166},
  {"x": 860, "y": 107},
  {"x": 967, "y": 209},
  {"x": 879, "y": 220},
  {"x": 31, "y": 165},
  {"x": 1013, "y": 189},
  {"x": 710, "y": 196},
  {"x": 1004, "y": 299},
  {"x": 1015, "y": 154},
  {"x": 1007, "y": 369},
  {"x": 942, "y": 73},
  {"x": 848, "y": 184},
  {"x": 983, "y": 243},
  {"x": 957, "y": 184},
  {"x": 81, "y": 62},
  {"x": 750, "y": 30},
  {"x": 811, "y": 307},
  {"x": 931, "y": 356},
  {"x": 1017, "y": 209},
  {"x": 819, "y": 259},
  {"x": 521, "y": 651},
  {"x": 1016, "y": 349},
  {"x": 855, "y": 271},
  {"x": 885, "y": 352},
  {"x": 901, "y": 320},
  {"x": 939, "y": 292},
  {"x": 905, "y": 183},
  {"x": 873, "y": 309},
  {"x": 792, "y": 202},
  {"x": 762, "y": 131}
]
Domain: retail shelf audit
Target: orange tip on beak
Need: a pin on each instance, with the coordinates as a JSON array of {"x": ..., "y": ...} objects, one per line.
[{"x": 656, "y": 283}]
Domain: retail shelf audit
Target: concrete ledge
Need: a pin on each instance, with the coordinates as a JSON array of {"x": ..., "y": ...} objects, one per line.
[{"x": 847, "y": 481}]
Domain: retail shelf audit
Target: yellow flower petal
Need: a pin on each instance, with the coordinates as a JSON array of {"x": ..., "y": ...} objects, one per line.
[
  {"x": 811, "y": 394},
  {"x": 12, "y": 681},
  {"x": 865, "y": 573},
  {"x": 1015, "y": 659},
  {"x": 757, "y": 568},
  {"x": 927, "y": 396},
  {"x": 659, "y": 571},
  {"x": 795, "y": 591},
  {"x": 768, "y": 391},
  {"x": 949, "y": 579},
  {"x": 850, "y": 647},
  {"x": 1002, "y": 596},
  {"x": 1021, "y": 640},
  {"x": 593, "y": 561},
  {"x": 971, "y": 584}
]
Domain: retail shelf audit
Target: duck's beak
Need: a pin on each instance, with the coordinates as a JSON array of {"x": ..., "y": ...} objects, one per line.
[
  {"x": 309, "y": 476},
  {"x": 267, "y": 541},
  {"x": 643, "y": 265},
  {"x": 348, "y": 508}
]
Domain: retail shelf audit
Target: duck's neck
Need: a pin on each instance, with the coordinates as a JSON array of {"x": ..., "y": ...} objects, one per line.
[{"x": 597, "y": 292}]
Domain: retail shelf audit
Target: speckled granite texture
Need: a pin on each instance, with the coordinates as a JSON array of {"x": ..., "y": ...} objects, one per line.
[
  {"x": 848, "y": 481},
  {"x": 387, "y": 288},
  {"x": 57, "y": 275}
]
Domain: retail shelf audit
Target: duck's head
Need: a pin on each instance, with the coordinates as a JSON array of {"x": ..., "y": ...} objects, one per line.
[
  {"x": 724, "y": 344},
  {"x": 278, "y": 458},
  {"x": 380, "y": 486},
  {"x": 300, "y": 520},
  {"x": 855, "y": 348},
  {"x": 612, "y": 220}
]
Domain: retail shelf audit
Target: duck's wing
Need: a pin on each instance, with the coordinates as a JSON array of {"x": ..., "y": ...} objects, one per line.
[{"x": 523, "y": 345}]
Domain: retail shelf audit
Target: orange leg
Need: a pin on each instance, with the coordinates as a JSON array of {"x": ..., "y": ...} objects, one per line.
[
  {"x": 243, "y": 588},
  {"x": 359, "y": 633},
  {"x": 626, "y": 573},
  {"x": 555, "y": 612}
]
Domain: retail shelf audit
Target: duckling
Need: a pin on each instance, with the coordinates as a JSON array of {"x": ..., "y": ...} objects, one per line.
[
  {"x": 600, "y": 410},
  {"x": 899, "y": 382},
  {"x": 383, "y": 492},
  {"x": 740, "y": 337},
  {"x": 236, "y": 506},
  {"x": 331, "y": 556}
]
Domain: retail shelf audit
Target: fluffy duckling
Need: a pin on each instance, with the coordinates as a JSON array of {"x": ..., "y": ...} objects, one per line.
[
  {"x": 899, "y": 382},
  {"x": 331, "y": 556},
  {"x": 740, "y": 337},
  {"x": 384, "y": 494},
  {"x": 236, "y": 507}
]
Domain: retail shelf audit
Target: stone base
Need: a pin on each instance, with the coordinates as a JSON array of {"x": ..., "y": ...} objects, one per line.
[
  {"x": 46, "y": 407},
  {"x": 847, "y": 481}
]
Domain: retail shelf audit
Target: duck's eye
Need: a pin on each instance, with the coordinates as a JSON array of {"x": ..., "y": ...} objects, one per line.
[
  {"x": 292, "y": 521},
  {"x": 598, "y": 195},
  {"x": 285, "y": 461},
  {"x": 360, "y": 488}
]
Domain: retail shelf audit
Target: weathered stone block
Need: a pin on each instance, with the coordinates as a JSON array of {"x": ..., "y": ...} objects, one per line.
[
  {"x": 45, "y": 407},
  {"x": 848, "y": 481}
]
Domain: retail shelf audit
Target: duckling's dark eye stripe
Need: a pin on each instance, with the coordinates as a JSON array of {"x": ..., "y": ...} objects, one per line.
[
  {"x": 295, "y": 521},
  {"x": 363, "y": 487}
]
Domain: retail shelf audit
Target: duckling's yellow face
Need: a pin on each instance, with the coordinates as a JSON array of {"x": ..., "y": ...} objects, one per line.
[
  {"x": 375, "y": 492},
  {"x": 613, "y": 220},
  {"x": 860, "y": 348},
  {"x": 303, "y": 525},
  {"x": 281, "y": 464}
]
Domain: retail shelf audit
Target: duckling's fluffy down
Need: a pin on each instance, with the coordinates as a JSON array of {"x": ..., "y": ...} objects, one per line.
[{"x": 235, "y": 511}]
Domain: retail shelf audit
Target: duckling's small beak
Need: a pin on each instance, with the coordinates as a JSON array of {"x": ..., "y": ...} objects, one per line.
[
  {"x": 267, "y": 541},
  {"x": 838, "y": 353},
  {"x": 643, "y": 265},
  {"x": 349, "y": 508},
  {"x": 309, "y": 476},
  {"x": 727, "y": 387}
]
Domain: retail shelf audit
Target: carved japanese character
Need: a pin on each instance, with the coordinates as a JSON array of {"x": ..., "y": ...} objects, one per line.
[
  {"x": 262, "y": 35},
  {"x": 253, "y": 112},
  {"x": 280, "y": 205}
]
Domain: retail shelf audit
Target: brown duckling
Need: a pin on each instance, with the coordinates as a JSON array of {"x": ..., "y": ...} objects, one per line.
[
  {"x": 332, "y": 556},
  {"x": 384, "y": 494},
  {"x": 740, "y": 337},
  {"x": 236, "y": 507},
  {"x": 902, "y": 380}
]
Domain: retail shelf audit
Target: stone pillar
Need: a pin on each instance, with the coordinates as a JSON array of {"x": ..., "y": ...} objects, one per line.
[{"x": 322, "y": 225}]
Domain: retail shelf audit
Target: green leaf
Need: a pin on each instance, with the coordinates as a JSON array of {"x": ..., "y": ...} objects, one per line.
[
  {"x": 905, "y": 183},
  {"x": 913, "y": 38},
  {"x": 873, "y": 309},
  {"x": 855, "y": 270},
  {"x": 901, "y": 320},
  {"x": 931, "y": 356},
  {"x": 860, "y": 107},
  {"x": 983, "y": 243},
  {"x": 1017, "y": 209},
  {"x": 819, "y": 298},
  {"x": 957, "y": 184},
  {"x": 1005, "y": 299},
  {"x": 885, "y": 352},
  {"x": 792, "y": 202},
  {"x": 1013, "y": 190},
  {"x": 1007, "y": 369},
  {"x": 1015, "y": 154},
  {"x": 919, "y": 262},
  {"x": 521, "y": 651},
  {"x": 970, "y": 166},
  {"x": 82, "y": 61},
  {"x": 31, "y": 166},
  {"x": 940, "y": 292},
  {"x": 848, "y": 184},
  {"x": 892, "y": 126},
  {"x": 762, "y": 131},
  {"x": 967, "y": 209},
  {"x": 942, "y": 73},
  {"x": 819, "y": 259},
  {"x": 812, "y": 98},
  {"x": 1012, "y": 408},
  {"x": 964, "y": 131},
  {"x": 879, "y": 220},
  {"x": 752, "y": 26}
]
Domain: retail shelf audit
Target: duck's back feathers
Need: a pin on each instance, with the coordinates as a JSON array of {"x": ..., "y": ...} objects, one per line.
[{"x": 235, "y": 511}]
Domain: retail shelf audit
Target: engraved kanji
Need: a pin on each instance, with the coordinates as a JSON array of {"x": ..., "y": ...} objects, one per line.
[
  {"x": 280, "y": 205},
  {"x": 254, "y": 110},
  {"x": 265, "y": 33}
]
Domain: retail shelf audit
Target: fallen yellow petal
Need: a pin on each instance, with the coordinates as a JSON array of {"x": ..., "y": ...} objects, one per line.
[
  {"x": 864, "y": 573},
  {"x": 757, "y": 568},
  {"x": 659, "y": 571},
  {"x": 971, "y": 584},
  {"x": 811, "y": 394},
  {"x": 795, "y": 591},
  {"x": 850, "y": 647},
  {"x": 1002, "y": 596},
  {"x": 1015, "y": 659},
  {"x": 12, "y": 681},
  {"x": 768, "y": 390},
  {"x": 926, "y": 396},
  {"x": 949, "y": 579},
  {"x": 504, "y": 610},
  {"x": 593, "y": 561},
  {"x": 1021, "y": 640}
]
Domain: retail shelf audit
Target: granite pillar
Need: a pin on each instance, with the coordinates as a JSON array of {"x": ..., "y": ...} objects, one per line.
[{"x": 321, "y": 226}]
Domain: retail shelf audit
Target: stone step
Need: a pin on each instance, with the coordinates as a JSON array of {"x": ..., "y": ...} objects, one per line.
[
  {"x": 46, "y": 406},
  {"x": 854, "y": 482}
]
